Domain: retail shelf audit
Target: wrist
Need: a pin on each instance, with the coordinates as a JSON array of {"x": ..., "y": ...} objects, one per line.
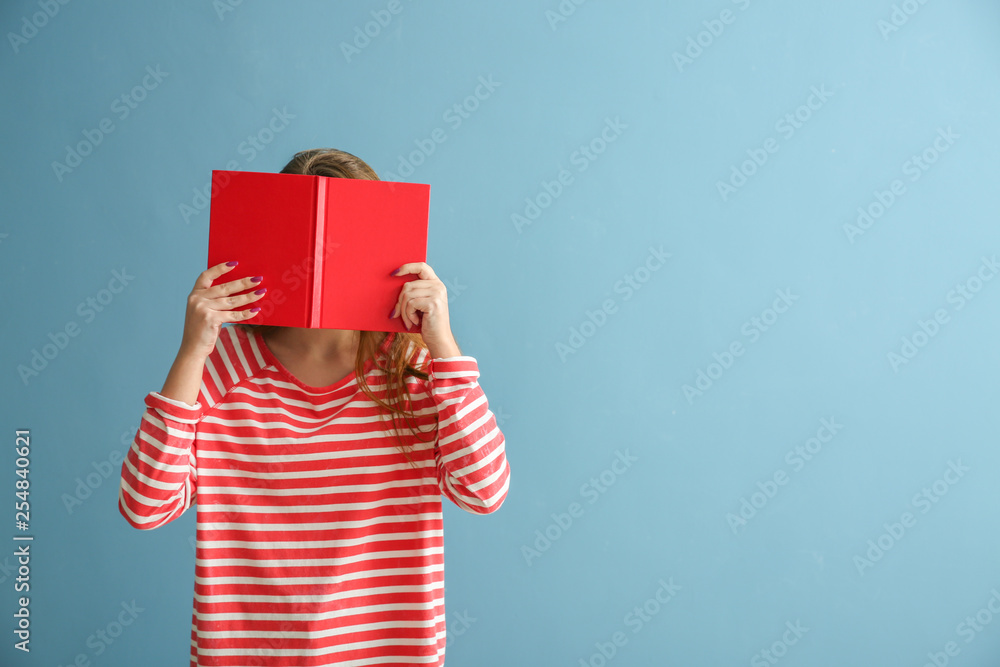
[
  {"x": 444, "y": 350},
  {"x": 190, "y": 354}
]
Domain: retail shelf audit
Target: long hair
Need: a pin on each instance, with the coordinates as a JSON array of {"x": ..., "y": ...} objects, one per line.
[{"x": 397, "y": 402}]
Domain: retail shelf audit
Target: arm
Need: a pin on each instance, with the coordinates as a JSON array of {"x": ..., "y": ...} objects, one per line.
[
  {"x": 469, "y": 452},
  {"x": 471, "y": 461},
  {"x": 183, "y": 382},
  {"x": 159, "y": 477}
]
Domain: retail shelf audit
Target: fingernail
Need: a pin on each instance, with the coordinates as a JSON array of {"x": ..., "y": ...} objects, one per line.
[
  {"x": 392, "y": 313},
  {"x": 233, "y": 263},
  {"x": 255, "y": 309},
  {"x": 394, "y": 272},
  {"x": 256, "y": 279},
  {"x": 261, "y": 290}
]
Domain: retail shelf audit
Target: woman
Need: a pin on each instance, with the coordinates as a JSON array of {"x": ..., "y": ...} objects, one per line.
[{"x": 318, "y": 458}]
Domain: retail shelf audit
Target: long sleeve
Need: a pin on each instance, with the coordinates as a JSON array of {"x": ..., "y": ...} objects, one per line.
[
  {"x": 302, "y": 494},
  {"x": 159, "y": 477},
  {"x": 472, "y": 465}
]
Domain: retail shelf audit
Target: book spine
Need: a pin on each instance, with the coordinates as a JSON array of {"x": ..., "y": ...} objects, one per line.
[{"x": 319, "y": 252}]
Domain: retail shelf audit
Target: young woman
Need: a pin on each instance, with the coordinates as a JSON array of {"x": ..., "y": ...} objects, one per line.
[{"x": 317, "y": 458}]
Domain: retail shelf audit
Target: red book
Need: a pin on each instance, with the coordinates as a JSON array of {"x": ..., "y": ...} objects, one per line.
[{"x": 325, "y": 246}]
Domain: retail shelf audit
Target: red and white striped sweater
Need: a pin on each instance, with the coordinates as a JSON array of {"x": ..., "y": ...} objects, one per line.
[{"x": 317, "y": 542}]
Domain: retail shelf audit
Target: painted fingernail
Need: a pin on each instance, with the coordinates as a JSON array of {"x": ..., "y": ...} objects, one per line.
[
  {"x": 256, "y": 279},
  {"x": 394, "y": 272},
  {"x": 233, "y": 263},
  {"x": 261, "y": 290},
  {"x": 392, "y": 313},
  {"x": 255, "y": 309}
]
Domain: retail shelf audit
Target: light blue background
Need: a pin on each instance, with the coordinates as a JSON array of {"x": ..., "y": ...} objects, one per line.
[{"x": 516, "y": 295}]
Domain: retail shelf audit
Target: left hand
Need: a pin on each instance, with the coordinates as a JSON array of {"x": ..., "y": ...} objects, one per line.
[{"x": 424, "y": 303}]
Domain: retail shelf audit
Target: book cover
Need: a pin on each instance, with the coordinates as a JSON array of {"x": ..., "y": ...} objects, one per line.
[{"x": 325, "y": 246}]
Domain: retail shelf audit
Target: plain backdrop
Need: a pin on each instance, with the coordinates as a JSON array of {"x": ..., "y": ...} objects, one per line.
[{"x": 728, "y": 268}]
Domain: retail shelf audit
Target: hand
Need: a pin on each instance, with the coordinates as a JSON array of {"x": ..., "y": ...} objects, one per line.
[
  {"x": 210, "y": 305},
  {"x": 424, "y": 303}
]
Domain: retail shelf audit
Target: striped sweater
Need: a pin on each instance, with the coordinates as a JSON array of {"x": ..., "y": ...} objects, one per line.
[{"x": 318, "y": 543}]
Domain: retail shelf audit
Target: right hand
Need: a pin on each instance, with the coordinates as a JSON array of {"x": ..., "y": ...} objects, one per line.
[{"x": 209, "y": 305}]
